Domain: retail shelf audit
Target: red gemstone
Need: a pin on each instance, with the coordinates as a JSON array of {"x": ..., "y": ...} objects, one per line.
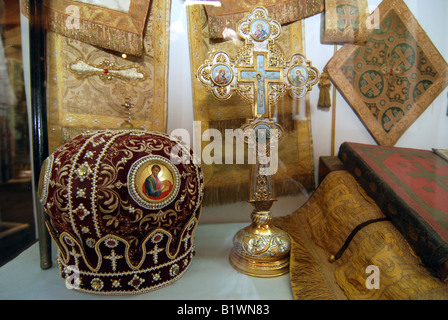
[{"x": 106, "y": 71}]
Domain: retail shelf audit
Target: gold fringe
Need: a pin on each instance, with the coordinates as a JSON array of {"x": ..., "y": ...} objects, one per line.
[
  {"x": 97, "y": 35},
  {"x": 222, "y": 125},
  {"x": 286, "y": 121},
  {"x": 324, "y": 86},
  {"x": 92, "y": 33},
  {"x": 308, "y": 282},
  {"x": 220, "y": 195}
]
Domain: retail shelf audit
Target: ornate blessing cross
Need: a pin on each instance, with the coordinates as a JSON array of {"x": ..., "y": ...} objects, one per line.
[{"x": 260, "y": 74}]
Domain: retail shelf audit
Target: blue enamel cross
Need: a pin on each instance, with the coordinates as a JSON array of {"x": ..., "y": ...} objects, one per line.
[{"x": 261, "y": 76}]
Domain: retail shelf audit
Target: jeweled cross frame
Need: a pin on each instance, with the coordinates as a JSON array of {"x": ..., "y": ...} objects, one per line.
[{"x": 259, "y": 74}]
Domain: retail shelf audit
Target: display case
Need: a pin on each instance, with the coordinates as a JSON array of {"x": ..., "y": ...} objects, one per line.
[{"x": 247, "y": 86}]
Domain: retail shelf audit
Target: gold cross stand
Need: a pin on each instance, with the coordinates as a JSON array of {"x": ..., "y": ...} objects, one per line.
[{"x": 261, "y": 75}]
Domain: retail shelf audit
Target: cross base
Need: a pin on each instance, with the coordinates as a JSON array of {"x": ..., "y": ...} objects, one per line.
[
  {"x": 261, "y": 249},
  {"x": 258, "y": 267}
]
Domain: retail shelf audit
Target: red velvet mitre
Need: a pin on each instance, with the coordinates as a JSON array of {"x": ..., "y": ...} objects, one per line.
[{"x": 112, "y": 237}]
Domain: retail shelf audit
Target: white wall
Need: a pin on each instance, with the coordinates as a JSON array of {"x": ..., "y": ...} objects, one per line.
[
  {"x": 429, "y": 131},
  {"x": 180, "y": 98}
]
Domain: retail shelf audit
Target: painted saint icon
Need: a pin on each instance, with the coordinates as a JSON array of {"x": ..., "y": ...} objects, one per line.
[
  {"x": 298, "y": 76},
  {"x": 259, "y": 30},
  {"x": 153, "y": 181},
  {"x": 158, "y": 184},
  {"x": 221, "y": 75}
]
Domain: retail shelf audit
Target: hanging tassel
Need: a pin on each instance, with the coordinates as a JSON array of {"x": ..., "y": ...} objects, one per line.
[{"x": 324, "y": 86}]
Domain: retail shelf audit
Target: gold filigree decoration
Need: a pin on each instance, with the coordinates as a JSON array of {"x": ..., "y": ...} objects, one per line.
[
  {"x": 276, "y": 58},
  {"x": 246, "y": 91},
  {"x": 312, "y": 76},
  {"x": 206, "y": 74},
  {"x": 259, "y": 14},
  {"x": 276, "y": 91},
  {"x": 221, "y": 91},
  {"x": 221, "y": 58},
  {"x": 245, "y": 56},
  {"x": 261, "y": 180},
  {"x": 262, "y": 194},
  {"x": 245, "y": 30}
]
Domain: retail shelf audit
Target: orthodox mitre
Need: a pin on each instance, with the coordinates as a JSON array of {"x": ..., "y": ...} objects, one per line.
[{"x": 123, "y": 206}]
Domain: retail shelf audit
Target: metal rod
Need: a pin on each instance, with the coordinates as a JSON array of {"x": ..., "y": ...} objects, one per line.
[
  {"x": 333, "y": 116},
  {"x": 39, "y": 120}
]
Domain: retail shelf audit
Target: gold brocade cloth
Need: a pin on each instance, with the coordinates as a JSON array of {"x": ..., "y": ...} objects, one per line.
[
  {"x": 87, "y": 86},
  {"x": 226, "y": 183},
  {"x": 320, "y": 228},
  {"x": 120, "y": 29},
  {"x": 231, "y": 12}
]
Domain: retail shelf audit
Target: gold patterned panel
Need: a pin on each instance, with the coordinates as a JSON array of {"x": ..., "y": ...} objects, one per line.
[
  {"x": 77, "y": 102},
  {"x": 345, "y": 21},
  {"x": 394, "y": 77},
  {"x": 320, "y": 228},
  {"x": 401, "y": 274},
  {"x": 230, "y": 182}
]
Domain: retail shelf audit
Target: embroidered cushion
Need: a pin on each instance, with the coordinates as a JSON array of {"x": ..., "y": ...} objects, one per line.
[{"x": 123, "y": 206}]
